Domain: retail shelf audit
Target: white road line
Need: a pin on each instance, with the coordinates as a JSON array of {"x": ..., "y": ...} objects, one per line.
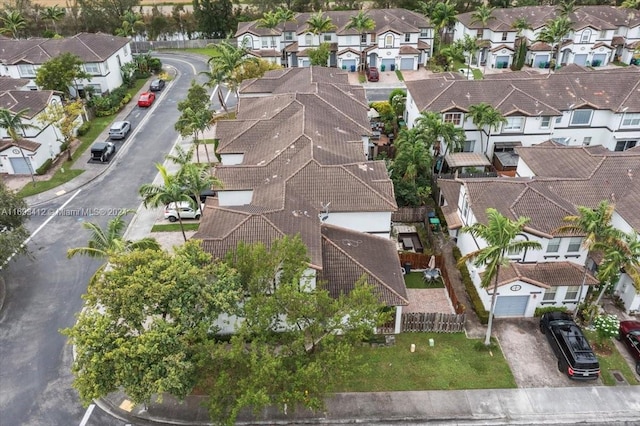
[
  {"x": 51, "y": 217},
  {"x": 87, "y": 414},
  {"x": 213, "y": 93},
  {"x": 193, "y": 68},
  {"x": 226, "y": 98}
]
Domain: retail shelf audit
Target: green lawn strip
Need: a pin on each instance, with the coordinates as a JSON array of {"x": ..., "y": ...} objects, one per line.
[
  {"x": 208, "y": 52},
  {"x": 416, "y": 280},
  {"x": 452, "y": 363},
  {"x": 98, "y": 124},
  {"x": 399, "y": 75},
  {"x": 207, "y": 141},
  {"x": 174, "y": 227},
  {"x": 613, "y": 362},
  {"x": 477, "y": 74}
]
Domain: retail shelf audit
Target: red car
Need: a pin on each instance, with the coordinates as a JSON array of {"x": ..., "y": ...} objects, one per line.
[
  {"x": 373, "y": 74},
  {"x": 630, "y": 336},
  {"x": 146, "y": 99}
]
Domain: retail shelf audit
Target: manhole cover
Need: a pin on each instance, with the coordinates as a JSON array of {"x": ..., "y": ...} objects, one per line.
[{"x": 619, "y": 378}]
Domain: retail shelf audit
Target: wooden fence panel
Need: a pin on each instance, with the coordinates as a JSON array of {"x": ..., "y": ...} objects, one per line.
[
  {"x": 432, "y": 322},
  {"x": 410, "y": 214}
]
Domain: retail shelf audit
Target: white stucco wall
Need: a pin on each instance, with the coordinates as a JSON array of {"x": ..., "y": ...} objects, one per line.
[
  {"x": 231, "y": 159},
  {"x": 234, "y": 198},
  {"x": 372, "y": 222}
]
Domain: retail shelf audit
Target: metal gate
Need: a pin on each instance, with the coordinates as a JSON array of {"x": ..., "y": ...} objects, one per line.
[
  {"x": 511, "y": 306},
  {"x": 21, "y": 166}
]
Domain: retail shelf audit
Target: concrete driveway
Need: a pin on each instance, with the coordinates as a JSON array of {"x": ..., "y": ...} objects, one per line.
[{"x": 529, "y": 355}]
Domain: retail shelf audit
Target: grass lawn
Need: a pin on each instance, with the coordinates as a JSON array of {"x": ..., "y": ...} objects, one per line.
[
  {"x": 57, "y": 179},
  {"x": 174, "y": 227},
  {"x": 415, "y": 280},
  {"x": 200, "y": 51},
  {"x": 399, "y": 75},
  {"x": 453, "y": 363},
  {"x": 612, "y": 362}
]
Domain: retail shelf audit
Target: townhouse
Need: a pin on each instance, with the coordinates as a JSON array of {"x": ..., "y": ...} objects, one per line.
[
  {"x": 103, "y": 56},
  {"x": 294, "y": 162},
  {"x": 600, "y": 35},
  {"x": 574, "y": 106},
  {"x": 553, "y": 180},
  {"x": 400, "y": 39}
]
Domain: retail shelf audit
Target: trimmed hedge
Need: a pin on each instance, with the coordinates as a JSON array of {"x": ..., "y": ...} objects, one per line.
[
  {"x": 478, "y": 307},
  {"x": 84, "y": 128},
  {"x": 541, "y": 311},
  {"x": 45, "y": 166}
]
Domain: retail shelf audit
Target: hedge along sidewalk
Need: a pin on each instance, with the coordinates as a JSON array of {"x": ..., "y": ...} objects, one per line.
[{"x": 46, "y": 190}]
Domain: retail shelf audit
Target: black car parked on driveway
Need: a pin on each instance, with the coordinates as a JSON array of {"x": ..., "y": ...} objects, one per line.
[{"x": 576, "y": 359}]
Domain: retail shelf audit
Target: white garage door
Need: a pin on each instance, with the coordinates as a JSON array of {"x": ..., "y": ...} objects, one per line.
[
  {"x": 348, "y": 63},
  {"x": 540, "y": 59},
  {"x": 305, "y": 63},
  {"x": 580, "y": 59},
  {"x": 406, "y": 63},
  {"x": 386, "y": 63},
  {"x": 20, "y": 166},
  {"x": 511, "y": 306},
  {"x": 598, "y": 60}
]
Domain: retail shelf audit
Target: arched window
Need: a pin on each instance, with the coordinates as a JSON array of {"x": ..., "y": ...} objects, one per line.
[
  {"x": 308, "y": 39},
  {"x": 247, "y": 42},
  {"x": 388, "y": 40},
  {"x": 586, "y": 36}
]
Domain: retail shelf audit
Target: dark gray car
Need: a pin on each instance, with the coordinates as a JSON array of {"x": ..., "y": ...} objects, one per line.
[{"x": 157, "y": 85}]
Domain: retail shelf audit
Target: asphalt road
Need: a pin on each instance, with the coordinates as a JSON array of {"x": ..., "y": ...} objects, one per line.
[{"x": 44, "y": 290}]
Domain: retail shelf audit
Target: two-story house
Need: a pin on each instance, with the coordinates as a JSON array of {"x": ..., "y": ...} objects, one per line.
[
  {"x": 103, "y": 56},
  {"x": 599, "y": 35},
  {"x": 294, "y": 162},
  {"x": 39, "y": 142},
  {"x": 400, "y": 39},
  {"x": 574, "y": 106}
]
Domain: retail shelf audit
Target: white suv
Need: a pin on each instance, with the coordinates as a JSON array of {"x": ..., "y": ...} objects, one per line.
[
  {"x": 186, "y": 211},
  {"x": 119, "y": 130}
]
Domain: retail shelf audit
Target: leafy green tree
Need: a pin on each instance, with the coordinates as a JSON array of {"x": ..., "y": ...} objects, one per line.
[
  {"x": 398, "y": 102},
  {"x": 195, "y": 117},
  {"x": 296, "y": 341},
  {"x": 486, "y": 118},
  {"x": 566, "y": 7},
  {"x": 499, "y": 234},
  {"x": 156, "y": 23},
  {"x": 320, "y": 55},
  {"x": 439, "y": 133},
  {"x": 285, "y": 14},
  {"x": 53, "y": 14},
  {"x": 256, "y": 69},
  {"x": 520, "y": 24},
  {"x": 12, "y": 230},
  {"x": 12, "y": 22},
  {"x": 215, "y": 18},
  {"x": 197, "y": 98},
  {"x": 109, "y": 242},
  {"x": 443, "y": 18},
  {"x": 411, "y": 168},
  {"x": 61, "y": 73},
  {"x": 469, "y": 46},
  {"x": 132, "y": 25},
  {"x": 362, "y": 23},
  {"x": 482, "y": 15},
  {"x": 64, "y": 118},
  {"x": 105, "y": 15},
  {"x": 15, "y": 126},
  {"x": 621, "y": 254},
  {"x": 171, "y": 191},
  {"x": 146, "y": 321},
  {"x": 553, "y": 33}
]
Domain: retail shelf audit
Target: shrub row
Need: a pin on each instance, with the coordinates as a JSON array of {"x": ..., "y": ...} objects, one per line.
[
  {"x": 110, "y": 104},
  {"x": 84, "y": 128},
  {"x": 478, "y": 307},
  {"x": 541, "y": 311},
  {"x": 45, "y": 166}
]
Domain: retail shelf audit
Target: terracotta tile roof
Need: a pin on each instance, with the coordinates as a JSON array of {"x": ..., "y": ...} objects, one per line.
[
  {"x": 617, "y": 40},
  {"x": 423, "y": 45},
  {"x": 89, "y": 47},
  {"x": 533, "y": 96},
  {"x": 348, "y": 255},
  {"x": 450, "y": 190},
  {"x": 466, "y": 159},
  {"x": 545, "y": 275},
  {"x": 29, "y": 145},
  {"x": 32, "y": 100},
  {"x": 540, "y": 46},
  {"x": 407, "y": 50},
  {"x": 8, "y": 83},
  {"x": 266, "y": 53},
  {"x": 296, "y": 80},
  {"x": 502, "y": 46}
]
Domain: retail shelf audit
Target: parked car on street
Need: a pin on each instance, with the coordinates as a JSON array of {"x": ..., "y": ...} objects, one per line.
[
  {"x": 184, "y": 208},
  {"x": 102, "y": 151},
  {"x": 629, "y": 334},
  {"x": 157, "y": 85},
  {"x": 576, "y": 359},
  {"x": 119, "y": 129},
  {"x": 146, "y": 99},
  {"x": 373, "y": 74}
]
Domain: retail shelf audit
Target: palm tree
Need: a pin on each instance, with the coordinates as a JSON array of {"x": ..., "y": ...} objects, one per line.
[
  {"x": 437, "y": 132},
  {"x": 520, "y": 24},
  {"x": 485, "y": 116},
  {"x": 132, "y": 24},
  {"x": 553, "y": 33},
  {"x": 631, "y": 4},
  {"x": 269, "y": 20},
  {"x": 53, "y": 14},
  {"x": 194, "y": 123},
  {"x": 482, "y": 15},
  {"x": 171, "y": 191},
  {"x": 196, "y": 178},
  {"x": 319, "y": 24},
  {"x": 621, "y": 256},
  {"x": 285, "y": 15},
  {"x": 566, "y": 7},
  {"x": 595, "y": 225},
  {"x": 412, "y": 167},
  {"x": 499, "y": 233},
  {"x": 105, "y": 243},
  {"x": 469, "y": 45},
  {"x": 12, "y": 23},
  {"x": 451, "y": 54},
  {"x": 443, "y": 17},
  {"x": 361, "y": 23},
  {"x": 15, "y": 126}
]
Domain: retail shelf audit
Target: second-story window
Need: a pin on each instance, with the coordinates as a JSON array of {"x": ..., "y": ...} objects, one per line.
[
  {"x": 479, "y": 32},
  {"x": 631, "y": 120},
  {"x": 92, "y": 68},
  {"x": 27, "y": 70},
  {"x": 504, "y": 35},
  {"x": 581, "y": 117},
  {"x": 572, "y": 292},
  {"x": 553, "y": 246},
  {"x": 574, "y": 244},
  {"x": 407, "y": 37},
  {"x": 288, "y": 36},
  {"x": 247, "y": 42},
  {"x": 586, "y": 36},
  {"x": 388, "y": 41},
  {"x": 453, "y": 117},
  {"x": 545, "y": 122},
  {"x": 514, "y": 124},
  {"x": 624, "y": 145},
  {"x": 326, "y": 37},
  {"x": 308, "y": 39},
  {"x": 363, "y": 38},
  {"x": 468, "y": 146},
  {"x": 265, "y": 43},
  {"x": 603, "y": 34},
  {"x": 424, "y": 32}
]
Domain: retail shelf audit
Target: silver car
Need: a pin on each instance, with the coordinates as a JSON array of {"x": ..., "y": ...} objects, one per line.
[{"x": 119, "y": 130}]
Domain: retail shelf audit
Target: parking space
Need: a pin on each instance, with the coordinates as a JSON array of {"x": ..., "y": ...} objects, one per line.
[{"x": 529, "y": 355}]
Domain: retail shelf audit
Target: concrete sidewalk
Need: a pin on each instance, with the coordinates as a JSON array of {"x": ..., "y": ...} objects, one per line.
[{"x": 540, "y": 406}]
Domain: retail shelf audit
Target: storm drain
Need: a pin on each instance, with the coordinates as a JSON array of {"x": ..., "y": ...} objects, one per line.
[{"x": 619, "y": 378}]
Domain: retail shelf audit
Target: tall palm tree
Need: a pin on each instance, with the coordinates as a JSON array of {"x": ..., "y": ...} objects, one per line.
[
  {"x": 361, "y": 23},
  {"x": 499, "y": 234},
  {"x": 132, "y": 25},
  {"x": 621, "y": 256},
  {"x": 468, "y": 45},
  {"x": 285, "y": 15},
  {"x": 482, "y": 15},
  {"x": 486, "y": 118},
  {"x": 412, "y": 167},
  {"x": 105, "y": 243},
  {"x": 269, "y": 20},
  {"x": 595, "y": 225},
  {"x": 53, "y": 14},
  {"x": 171, "y": 191},
  {"x": 16, "y": 127},
  {"x": 12, "y": 23},
  {"x": 443, "y": 18},
  {"x": 520, "y": 24},
  {"x": 554, "y": 32},
  {"x": 437, "y": 132},
  {"x": 194, "y": 122},
  {"x": 450, "y": 54},
  {"x": 318, "y": 24},
  {"x": 196, "y": 178},
  {"x": 566, "y": 7}
]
